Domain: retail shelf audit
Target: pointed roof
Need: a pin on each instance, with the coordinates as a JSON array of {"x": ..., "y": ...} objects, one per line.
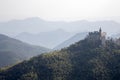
[{"x": 100, "y": 30}]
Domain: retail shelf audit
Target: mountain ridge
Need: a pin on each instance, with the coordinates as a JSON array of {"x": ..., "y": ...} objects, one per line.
[
  {"x": 75, "y": 38},
  {"x": 36, "y": 25},
  {"x": 47, "y": 39},
  {"x": 16, "y": 50},
  {"x": 87, "y": 59}
]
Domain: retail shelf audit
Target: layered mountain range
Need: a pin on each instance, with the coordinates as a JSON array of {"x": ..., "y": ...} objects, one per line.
[
  {"x": 87, "y": 59},
  {"x": 13, "y": 50}
]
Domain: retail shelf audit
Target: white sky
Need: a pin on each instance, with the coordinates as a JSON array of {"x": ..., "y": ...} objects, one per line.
[{"x": 58, "y": 9}]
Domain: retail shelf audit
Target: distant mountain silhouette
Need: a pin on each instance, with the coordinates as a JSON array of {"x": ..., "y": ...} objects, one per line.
[
  {"x": 47, "y": 36},
  {"x": 77, "y": 37},
  {"x": 36, "y": 25},
  {"x": 47, "y": 39},
  {"x": 117, "y": 35},
  {"x": 12, "y": 50}
]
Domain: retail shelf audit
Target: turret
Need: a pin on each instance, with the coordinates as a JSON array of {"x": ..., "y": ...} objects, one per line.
[{"x": 100, "y": 31}]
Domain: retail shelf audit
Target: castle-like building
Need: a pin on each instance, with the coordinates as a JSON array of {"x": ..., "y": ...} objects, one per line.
[{"x": 99, "y": 35}]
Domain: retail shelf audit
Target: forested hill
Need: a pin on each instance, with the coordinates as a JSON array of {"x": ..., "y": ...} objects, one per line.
[
  {"x": 13, "y": 51},
  {"x": 87, "y": 59}
]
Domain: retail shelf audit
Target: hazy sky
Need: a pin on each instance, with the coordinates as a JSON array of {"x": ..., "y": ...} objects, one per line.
[{"x": 58, "y": 9}]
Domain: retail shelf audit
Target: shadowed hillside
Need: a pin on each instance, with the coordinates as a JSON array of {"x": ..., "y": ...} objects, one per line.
[
  {"x": 12, "y": 50},
  {"x": 88, "y": 59}
]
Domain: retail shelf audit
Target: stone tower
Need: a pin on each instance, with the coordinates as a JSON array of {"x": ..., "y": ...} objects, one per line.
[
  {"x": 98, "y": 35},
  {"x": 100, "y": 31}
]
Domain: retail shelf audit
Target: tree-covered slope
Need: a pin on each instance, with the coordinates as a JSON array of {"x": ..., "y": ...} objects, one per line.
[
  {"x": 87, "y": 59},
  {"x": 12, "y": 50}
]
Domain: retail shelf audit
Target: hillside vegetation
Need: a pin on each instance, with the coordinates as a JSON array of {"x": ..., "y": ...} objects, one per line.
[
  {"x": 13, "y": 51},
  {"x": 87, "y": 59}
]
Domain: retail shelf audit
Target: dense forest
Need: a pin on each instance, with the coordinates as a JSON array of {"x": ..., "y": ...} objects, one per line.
[{"x": 87, "y": 59}]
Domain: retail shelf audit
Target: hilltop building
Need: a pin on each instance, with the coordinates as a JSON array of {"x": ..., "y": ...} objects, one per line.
[{"x": 98, "y": 35}]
